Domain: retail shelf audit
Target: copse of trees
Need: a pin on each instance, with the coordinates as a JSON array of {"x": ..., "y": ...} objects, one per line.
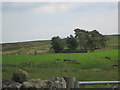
[{"x": 85, "y": 40}]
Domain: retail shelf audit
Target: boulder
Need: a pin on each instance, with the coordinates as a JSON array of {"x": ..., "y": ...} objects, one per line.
[
  {"x": 113, "y": 87},
  {"x": 38, "y": 83},
  {"x": 26, "y": 85},
  {"x": 20, "y": 76},
  {"x": 10, "y": 84},
  {"x": 56, "y": 82}
]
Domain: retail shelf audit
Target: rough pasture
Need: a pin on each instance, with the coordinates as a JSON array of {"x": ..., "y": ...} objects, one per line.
[
  {"x": 43, "y": 66},
  {"x": 93, "y": 66}
]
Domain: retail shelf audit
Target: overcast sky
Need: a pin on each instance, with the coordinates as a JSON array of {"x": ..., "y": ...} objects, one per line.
[{"x": 41, "y": 21}]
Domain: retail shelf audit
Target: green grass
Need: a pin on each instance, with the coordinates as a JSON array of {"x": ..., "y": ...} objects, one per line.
[
  {"x": 113, "y": 40},
  {"x": 93, "y": 63},
  {"x": 93, "y": 66},
  {"x": 82, "y": 57}
]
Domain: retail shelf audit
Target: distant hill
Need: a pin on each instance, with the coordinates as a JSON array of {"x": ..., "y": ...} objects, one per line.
[
  {"x": 40, "y": 46},
  {"x": 118, "y": 35},
  {"x": 26, "y": 47}
]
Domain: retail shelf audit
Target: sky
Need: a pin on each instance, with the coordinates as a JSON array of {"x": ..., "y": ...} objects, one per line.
[{"x": 42, "y": 20}]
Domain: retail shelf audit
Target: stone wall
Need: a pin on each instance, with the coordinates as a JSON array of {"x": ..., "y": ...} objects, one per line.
[{"x": 21, "y": 80}]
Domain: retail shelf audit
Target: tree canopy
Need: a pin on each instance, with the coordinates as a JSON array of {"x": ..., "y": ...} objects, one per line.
[
  {"x": 86, "y": 40},
  {"x": 57, "y": 44},
  {"x": 71, "y": 42}
]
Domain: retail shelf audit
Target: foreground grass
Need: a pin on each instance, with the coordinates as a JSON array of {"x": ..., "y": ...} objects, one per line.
[
  {"x": 80, "y": 74},
  {"x": 92, "y": 66}
]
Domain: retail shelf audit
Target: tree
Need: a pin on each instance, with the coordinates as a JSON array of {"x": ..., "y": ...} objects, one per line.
[
  {"x": 82, "y": 37},
  {"x": 71, "y": 42},
  {"x": 96, "y": 40},
  {"x": 57, "y": 44},
  {"x": 90, "y": 39},
  {"x": 103, "y": 41}
]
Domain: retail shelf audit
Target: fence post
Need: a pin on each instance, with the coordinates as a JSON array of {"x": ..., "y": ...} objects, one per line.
[
  {"x": 76, "y": 84},
  {"x": 69, "y": 81}
]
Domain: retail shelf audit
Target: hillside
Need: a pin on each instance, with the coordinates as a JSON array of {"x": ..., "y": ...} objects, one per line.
[
  {"x": 26, "y": 47},
  {"x": 44, "y": 46}
]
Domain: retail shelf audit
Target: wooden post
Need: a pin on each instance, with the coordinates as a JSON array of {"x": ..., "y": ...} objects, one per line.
[{"x": 69, "y": 81}]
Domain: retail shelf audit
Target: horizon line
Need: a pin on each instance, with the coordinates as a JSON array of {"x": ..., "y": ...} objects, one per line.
[{"x": 37, "y": 40}]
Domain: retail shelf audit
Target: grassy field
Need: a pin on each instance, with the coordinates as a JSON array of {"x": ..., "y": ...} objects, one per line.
[
  {"x": 93, "y": 66},
  {"x": 94, "y": 60}
]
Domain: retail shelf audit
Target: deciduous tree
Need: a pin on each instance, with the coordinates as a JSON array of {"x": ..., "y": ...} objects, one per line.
[
  {"x": 71, "y": 42},
  {"x": 57, "y": 44}
]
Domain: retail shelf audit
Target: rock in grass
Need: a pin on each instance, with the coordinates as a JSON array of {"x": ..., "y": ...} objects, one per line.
[
  {"x": 20, "y": 76},
  {"x": 26, "y": 85}
]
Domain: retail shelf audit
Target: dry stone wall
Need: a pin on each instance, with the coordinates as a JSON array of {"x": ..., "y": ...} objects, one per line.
[{"x": 20, "y": 80}]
